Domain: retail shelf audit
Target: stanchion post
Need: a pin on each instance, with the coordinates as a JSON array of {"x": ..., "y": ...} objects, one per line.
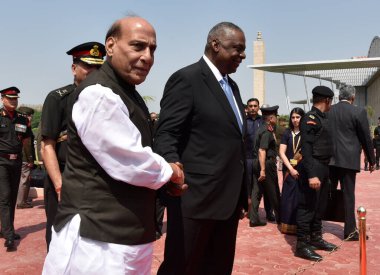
[{"x": 362, "y": 239}]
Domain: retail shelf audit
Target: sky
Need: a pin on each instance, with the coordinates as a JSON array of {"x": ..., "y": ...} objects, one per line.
[{"x": 35, "y": 35}]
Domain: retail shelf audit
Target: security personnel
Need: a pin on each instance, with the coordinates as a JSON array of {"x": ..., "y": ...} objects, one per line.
[
  {"x": 376, "y": 143},
  {"x": 265, "y": 169},
  {"x": 316, "y": 148},
  {"x": 86, "y": 58},
  {"x": 14, "y": 133},
  {"x": 28, "y": 157}
]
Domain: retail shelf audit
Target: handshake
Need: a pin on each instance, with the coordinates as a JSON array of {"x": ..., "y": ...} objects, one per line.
[{"x": 176, "y": 186}]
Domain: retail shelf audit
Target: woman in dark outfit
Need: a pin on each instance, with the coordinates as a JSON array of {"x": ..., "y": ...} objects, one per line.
[{"x": 289, "y": 152}]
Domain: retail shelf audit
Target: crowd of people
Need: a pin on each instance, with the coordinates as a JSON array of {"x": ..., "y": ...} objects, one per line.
[
  {"x": 112, "y": 167},
  {"x": 318, "y": 150}
]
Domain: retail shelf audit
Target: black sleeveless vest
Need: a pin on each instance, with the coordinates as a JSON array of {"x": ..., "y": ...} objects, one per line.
[
  {"x": 322, "y": 148},
  {"x": 111, "y": 211}
]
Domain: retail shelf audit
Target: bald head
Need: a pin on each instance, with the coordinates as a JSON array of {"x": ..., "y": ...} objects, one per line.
[
  {"x": 127, "y": 22},
  {"x": 130, "y": 45}
]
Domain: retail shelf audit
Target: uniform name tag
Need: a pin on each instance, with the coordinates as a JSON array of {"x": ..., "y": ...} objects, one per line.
[
  {"x": 20, "y": 128},
  {"x": 3, "y": 125},
  {"x": 293, "y": 162}
]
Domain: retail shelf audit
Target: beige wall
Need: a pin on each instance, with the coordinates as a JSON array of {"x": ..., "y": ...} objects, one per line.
[{"x": 373, "y": 98}]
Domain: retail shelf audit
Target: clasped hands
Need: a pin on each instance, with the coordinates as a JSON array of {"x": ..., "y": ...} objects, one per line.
[
  {"x": 176, "y": 186},
  {"x": 314, "y": 183}
]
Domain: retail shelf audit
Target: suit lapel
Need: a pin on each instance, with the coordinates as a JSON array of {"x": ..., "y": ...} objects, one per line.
[{"x": 217, "y": 91}]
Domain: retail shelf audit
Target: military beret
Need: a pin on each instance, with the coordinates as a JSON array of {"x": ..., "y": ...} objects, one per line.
[
  {"x": 267, "y": 110},
  {"x": 11, "y": 92},
  {"x": 26, "y": 110},
  {"x": 91, "y": 53},
  {"x": 323, "y": 91}
]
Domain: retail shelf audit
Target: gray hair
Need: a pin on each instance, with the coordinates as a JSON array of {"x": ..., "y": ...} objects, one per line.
[
  {"x": 219, "y": 30},
  {"x": 346, "y": 92}
]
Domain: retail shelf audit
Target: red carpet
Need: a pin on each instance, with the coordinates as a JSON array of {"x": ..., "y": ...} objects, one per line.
[{"x": 260, "y": 250}]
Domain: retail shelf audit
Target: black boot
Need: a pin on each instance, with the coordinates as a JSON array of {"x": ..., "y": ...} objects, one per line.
[
  {"x": 9, "y": 243},
  {"x": 317, "y": 241},
  {"x": 305, "y": 251}
]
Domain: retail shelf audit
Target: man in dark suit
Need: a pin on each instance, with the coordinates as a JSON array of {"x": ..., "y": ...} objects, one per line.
[
  {"x": 201, "y": 126},
  {"x": 350, "y": 133}
]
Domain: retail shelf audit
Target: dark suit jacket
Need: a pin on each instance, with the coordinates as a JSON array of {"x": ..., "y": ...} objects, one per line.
[
  {"x": 350, "y": 133},
  {"x": 198, "y": 128}
]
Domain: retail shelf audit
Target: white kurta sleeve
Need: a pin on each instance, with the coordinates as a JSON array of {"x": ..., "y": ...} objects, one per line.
[{"x": 103, "y": 124}]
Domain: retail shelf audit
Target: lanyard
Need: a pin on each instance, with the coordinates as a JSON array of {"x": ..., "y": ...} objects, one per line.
[{"x": 295, "y": 146}]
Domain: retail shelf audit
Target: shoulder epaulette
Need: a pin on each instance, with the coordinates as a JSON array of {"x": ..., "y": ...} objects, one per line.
[
  {"x": 311, "y": 118},
  {"x": 62, "y": 92}
]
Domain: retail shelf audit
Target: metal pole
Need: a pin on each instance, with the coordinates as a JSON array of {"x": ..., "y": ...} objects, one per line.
[
  {"x": 286, "y": 93},
  {"x": 332, "y": 88},
  {"x": 307, "y": 95},
  {"x": 362, "y": 240}
]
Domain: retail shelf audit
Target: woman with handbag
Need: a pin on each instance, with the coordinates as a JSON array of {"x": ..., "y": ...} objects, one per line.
[{"x": 290, "y": 154}]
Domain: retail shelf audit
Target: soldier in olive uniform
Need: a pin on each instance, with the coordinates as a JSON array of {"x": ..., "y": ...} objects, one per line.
[
  {"x": 14, "y": 133},
  {"x": 28, "y": 157},
  {"x": 376, "y": 143},
  {"x": 316, "y": 149},
  {"x": 265, "y": 168},
  {"x": 86, "y": 58}
]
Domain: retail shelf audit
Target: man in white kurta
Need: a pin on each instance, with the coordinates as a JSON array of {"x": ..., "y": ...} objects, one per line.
[{"x": 100, "y": 120}]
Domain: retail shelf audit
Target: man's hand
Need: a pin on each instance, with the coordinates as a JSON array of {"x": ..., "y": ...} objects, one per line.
[
  {"x": 176, "y": 186},
  {"x": 262, "y": 175},
  {"x": 315, "y": 183},
  {"x": 58, "y": 191},
  {"x": 294, "y": 173}
]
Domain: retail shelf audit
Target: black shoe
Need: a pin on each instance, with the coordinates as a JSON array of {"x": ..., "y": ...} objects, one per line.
[
  {"x": 9, "y": 243},
  {"x": 259, "y": 223},
  {"x": 24, "y": 205},
  {"x": 305, "y": 252},
  {"x": 158, "y": 235},
  {"x": 377, "y": 167},
  {"x": 353, "y": 237},
  {"x": 321, "y": 244},
  {"x": 271, "y": 218},
  {"x": 365, "y": 168},
  {"x": 15, "y": 236}
]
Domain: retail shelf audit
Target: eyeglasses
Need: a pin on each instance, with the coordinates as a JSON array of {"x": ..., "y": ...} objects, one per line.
[{"x": 253, "y": 105}]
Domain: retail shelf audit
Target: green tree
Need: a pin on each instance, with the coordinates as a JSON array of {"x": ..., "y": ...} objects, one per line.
[
  {"x": 370, "y": 113},
  {"x": 148, "y": 98},
  {"x": 36, "y": 119}
]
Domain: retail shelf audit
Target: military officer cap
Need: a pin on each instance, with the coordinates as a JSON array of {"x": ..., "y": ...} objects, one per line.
[
  {"x": 26, "y": 110},
  {"x": 323, "y": 91},
  {"x": 91, "y": 53},
  {"x": 11, "y": 92},
  {"x": 268, "y": 110}
]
